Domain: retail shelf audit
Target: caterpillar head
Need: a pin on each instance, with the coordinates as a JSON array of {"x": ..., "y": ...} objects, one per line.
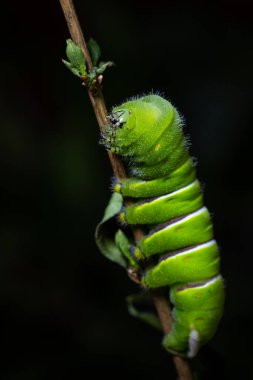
[{"x": 129, "y": 123}]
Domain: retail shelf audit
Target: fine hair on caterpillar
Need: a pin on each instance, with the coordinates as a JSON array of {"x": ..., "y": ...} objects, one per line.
[{"x": 178, "y": 245}]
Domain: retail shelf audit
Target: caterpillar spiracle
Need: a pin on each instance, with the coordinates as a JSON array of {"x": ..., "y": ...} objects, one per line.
[{"x": 178, "y": 249}]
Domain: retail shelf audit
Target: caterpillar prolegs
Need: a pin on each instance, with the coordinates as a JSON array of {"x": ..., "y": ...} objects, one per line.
[{"x": 178, "y": 249}]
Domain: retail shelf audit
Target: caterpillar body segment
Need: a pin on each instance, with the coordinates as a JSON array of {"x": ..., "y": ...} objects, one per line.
[
  {"x": 196, "y": 314},
  {"x": 197, "y": 263},
  {"x": 192, "y": 229},
  {"x": 165, "y": 207},
  {"x": 178, "y": 248},
  {"x": 137, "y": 188}
]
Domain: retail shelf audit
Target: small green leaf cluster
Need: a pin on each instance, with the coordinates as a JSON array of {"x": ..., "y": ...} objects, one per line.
[{"x": 77, "y": 63}]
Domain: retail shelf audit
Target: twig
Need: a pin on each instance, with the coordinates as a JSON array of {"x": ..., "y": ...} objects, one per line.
[{"x": 98, "y": 103}]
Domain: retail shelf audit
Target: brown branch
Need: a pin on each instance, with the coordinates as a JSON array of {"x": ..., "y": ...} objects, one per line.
[
  {"x": 98, "y": 103},
  {"x": 97, "y": 100}
]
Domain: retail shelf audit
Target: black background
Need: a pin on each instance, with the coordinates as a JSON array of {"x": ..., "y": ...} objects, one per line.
[{"x": 62, "y": 307}]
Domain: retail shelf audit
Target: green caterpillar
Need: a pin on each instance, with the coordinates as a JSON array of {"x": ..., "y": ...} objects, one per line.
[{"x": 177, "y": 249}]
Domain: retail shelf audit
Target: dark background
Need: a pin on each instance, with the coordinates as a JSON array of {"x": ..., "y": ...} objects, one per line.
[{"x": 62, "y": 307}]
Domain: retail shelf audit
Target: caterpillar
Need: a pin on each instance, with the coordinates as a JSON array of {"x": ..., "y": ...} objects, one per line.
[{"x": 178, "y": 249}]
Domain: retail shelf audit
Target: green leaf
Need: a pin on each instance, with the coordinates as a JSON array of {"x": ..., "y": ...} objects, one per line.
[
  {"x": 135, "y": 305},
  {"x": 71, "y": 68},
  {"x": 103, "y": 66},
  {"x": 107, "y": 229},
  {"x": 76, "y": 58},
  {"x": 94, "y": 50},
  {"x": 124, "y": 245}
]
